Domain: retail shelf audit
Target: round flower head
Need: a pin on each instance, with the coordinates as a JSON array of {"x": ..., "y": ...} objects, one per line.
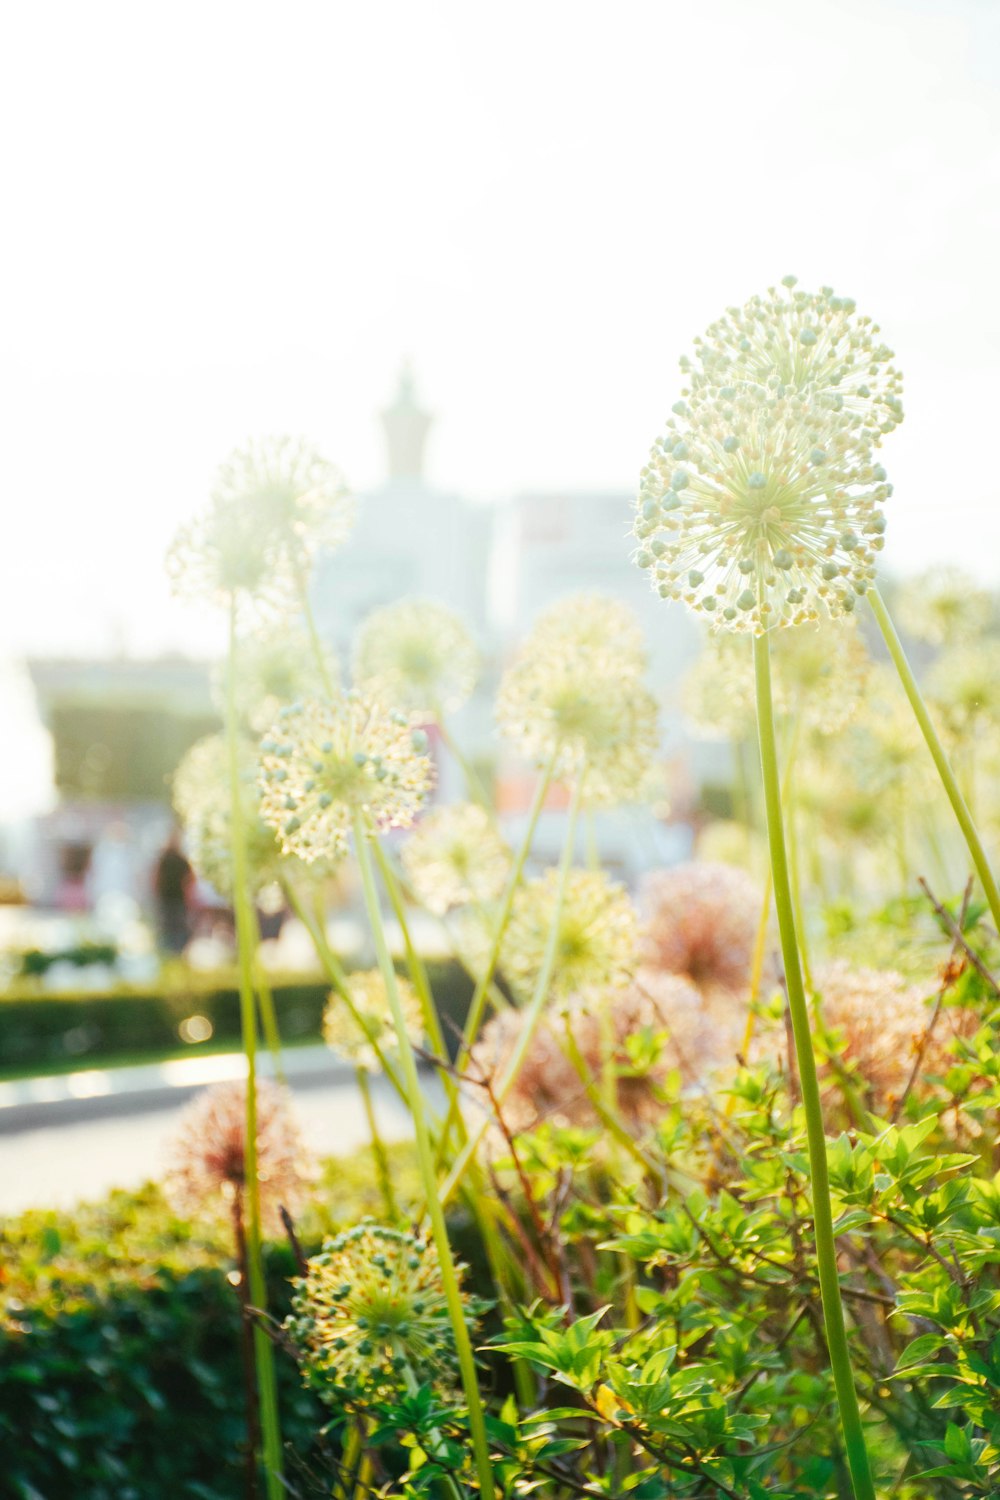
[
  {"x": 203, "y": 802},
  {"x": 324, "y": 760},
  {"x": 274, "y": 503},
  {"x": 206, "y": 1173},
  {"x": 759, "y": 510},
  {"x": 546, "y": 1088},
  {"x": 371, "y": 1319},
  {"x": 572, "y": 703},
  {"x": 717, "y": 698},
  {"x": 657, "y": 1024},
  {"x": 418, "y": 657},
  {"x": 702, "y": 922},
  {"x": 275, "y": 668},
  {"x": 342, "y": 1033},
  {"x": 456, "y": 856},
  {"x": 880, "y": 1023},
  {"x": 290, "y": 494},
  {"x": 594, "y": 622},
  {"x": 598, "y": 934},
  {"x": 944, "y": 606},
  {"x": 813, "y": 343},
  {"x": 964, "y": 684},
  {"x": 759, "y": 505},
  {"x": 821, "y": 675}
]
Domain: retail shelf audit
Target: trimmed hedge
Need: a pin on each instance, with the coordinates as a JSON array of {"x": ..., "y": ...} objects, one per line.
[
  {"x": 47, "y": 1031},
  {"x": 120, "y": 1370}
]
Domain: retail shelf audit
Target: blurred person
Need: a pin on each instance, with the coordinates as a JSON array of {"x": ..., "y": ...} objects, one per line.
[
  {"x": 172, "y": 888},
  {"x": 72, "y": 893}
]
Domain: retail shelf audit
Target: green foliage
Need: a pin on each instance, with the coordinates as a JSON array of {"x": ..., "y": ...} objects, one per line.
[{"x": 45, "y": 1031}]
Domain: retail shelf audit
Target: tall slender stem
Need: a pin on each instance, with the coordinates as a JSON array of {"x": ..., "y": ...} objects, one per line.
[
  {"x": 533, "y": 1010},
  {"x": 940, "y": 759},
  {"x": 826, "y": 1248},
  {"x": 425, "y": 1154},
  {"x": 480, "y": 994},
  {"x": 263, "y": 1352},
  {"x": 377, "y": 1144}
]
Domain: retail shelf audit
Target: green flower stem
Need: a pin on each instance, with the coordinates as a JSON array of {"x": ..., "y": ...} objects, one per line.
[
  {"x": 415, "y": 964},
  {"x": 378, "y": 1146},
  {"x": 268, "y": 1014},
  {"x": 473, "y": 781},
  {"x": 533, "y": 1011},
  {"x": 449, "y": 1277},
  {"x": 826, "y": 1248},
  {"x": 245, "y": 933},
  {"x": 322, "y": 666},
  {"x": 940, "y": 759},
  {"x": 335, "y": 974}
]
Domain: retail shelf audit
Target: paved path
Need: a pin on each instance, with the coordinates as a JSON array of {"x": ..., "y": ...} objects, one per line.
[{"x": 56, "y": 1151}]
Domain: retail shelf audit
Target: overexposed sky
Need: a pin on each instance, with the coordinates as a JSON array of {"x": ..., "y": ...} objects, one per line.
[{"x": 224, "y": 219}]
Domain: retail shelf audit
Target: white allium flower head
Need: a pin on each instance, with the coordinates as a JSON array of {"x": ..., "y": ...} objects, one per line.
[
  {"x": 203, "y": 801},
  {"x": 761, "y": 502},
  {"x": 324, "y": 759},
  {"x": 418, "y": 656},
  {"x": 274, "y": 504},
  {"x": 944, "y": 606},
  {"x": 598, "y": 935},
  {"x": 275, "y": 668},
  {"x": 573, "y": 701},
  {"x": 456, "y": 856},
  {"x": 371, "y": 1002}
]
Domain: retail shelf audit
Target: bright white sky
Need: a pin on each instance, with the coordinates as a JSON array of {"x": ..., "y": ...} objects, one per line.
[{"x": 231, "y": 218}]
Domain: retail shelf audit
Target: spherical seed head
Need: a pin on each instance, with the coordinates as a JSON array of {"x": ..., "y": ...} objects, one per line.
[
  {"x": 546, "y": 1088},
  {"x": 370, "y": 1001},
  {"x": 702, "y": 921},
  {"x": 222, "y": 558},
  {"x": 658, "y": 1023},
  {"x": 944, "y": 606},
  {"x": 418, "y": 657},
  {"x": 773, "y": 517},
  {"x": 571, "y": 701},
  {"x": 206, "y": 1174},
  {"x": 325, "y": 759},
  {"x": 290, "y": 494},
  {"x": 597, "y": 942},
  {"x": 879, "y": 1022},
  {"x": 275, "y": 668},
  {"x": 370, "y": 1317},
  {"x": 594, "y": 622},
  {"x": 813, "y": 343},
  {"x": 203, "y": 800},
  {"x": 821, "y": 675},
  {"x": 455, "y": 856}
]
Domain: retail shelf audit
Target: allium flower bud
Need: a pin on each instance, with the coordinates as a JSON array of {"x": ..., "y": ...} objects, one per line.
[
  {"x": 456, "y": 856},
  {"x": 206, "y": 1173},
  {"x": 598, "y": 935},
  {"x": 760, "y": 503},
  {"x": 702, "y": 922},
  {"x": 371, "y": 1319},
  {"x": 371, "y": 1003},
  {"x": 416, "y": 656},
  {"x": 323, "y": 760},
  {"x": 571, "y": 701}
]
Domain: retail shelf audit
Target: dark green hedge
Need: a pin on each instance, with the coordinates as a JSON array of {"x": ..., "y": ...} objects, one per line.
[
  {"x": 48, "y": 1031},
  {"x": 120, "y": 1374}
]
